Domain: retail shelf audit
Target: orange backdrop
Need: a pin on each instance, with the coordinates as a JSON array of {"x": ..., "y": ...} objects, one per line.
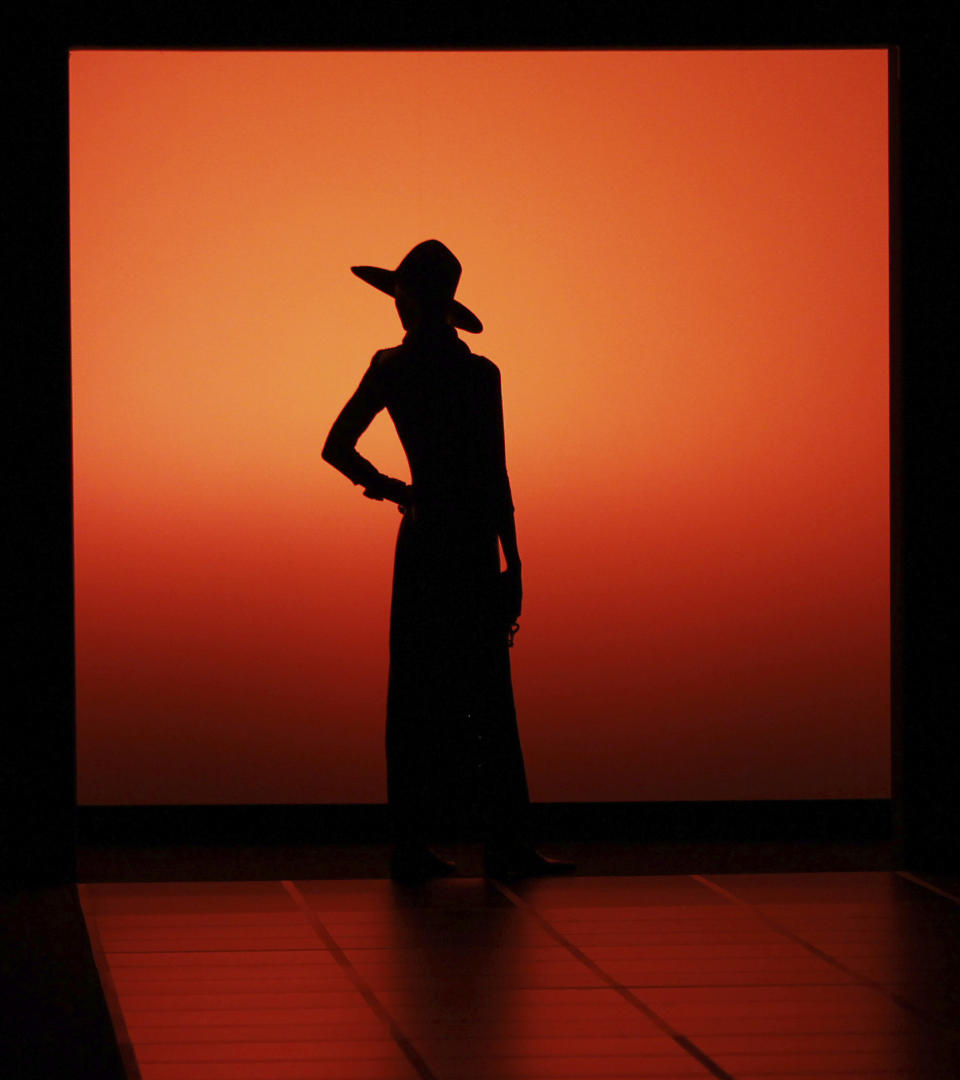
[{"x": 681, "y": 262}]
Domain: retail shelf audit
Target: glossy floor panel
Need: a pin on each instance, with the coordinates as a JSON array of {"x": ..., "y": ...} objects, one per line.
[{"x": 735, "y": 975}]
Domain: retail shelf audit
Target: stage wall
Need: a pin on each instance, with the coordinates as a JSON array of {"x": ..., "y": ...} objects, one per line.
[{"x": 680, "y": 259}]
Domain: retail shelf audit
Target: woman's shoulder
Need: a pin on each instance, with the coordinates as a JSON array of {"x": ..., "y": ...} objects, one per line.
[
  {"x": 486, "y": 366},
  {"x": 385, "y": 364},
  {"x": 384, "y": 358}
]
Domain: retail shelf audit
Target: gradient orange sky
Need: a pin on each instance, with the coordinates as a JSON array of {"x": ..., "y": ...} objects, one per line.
[{"x": 680, "y": 259}]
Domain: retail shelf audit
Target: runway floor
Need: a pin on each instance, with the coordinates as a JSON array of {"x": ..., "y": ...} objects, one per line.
[{"x": 841, "y": 974}]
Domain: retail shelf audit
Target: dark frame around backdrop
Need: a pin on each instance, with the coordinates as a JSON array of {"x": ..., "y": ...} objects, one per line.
[{"x": 39, "y": 783}]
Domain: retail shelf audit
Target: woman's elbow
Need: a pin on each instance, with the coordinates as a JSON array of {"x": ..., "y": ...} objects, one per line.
[{"x": 331, "y": 452}]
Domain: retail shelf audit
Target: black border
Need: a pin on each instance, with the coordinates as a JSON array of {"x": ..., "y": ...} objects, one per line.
[
  {"x": 38, "y": 781},
  {"x": 787, "y": 821}
]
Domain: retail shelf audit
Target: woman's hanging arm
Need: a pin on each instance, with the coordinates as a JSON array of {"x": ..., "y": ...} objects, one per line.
[
  {"x": 506, "y": 522},
  {"x": 340, "y": 450},
  {"x": 512, "y": 584},
  {"x": 507, "y": 531}
]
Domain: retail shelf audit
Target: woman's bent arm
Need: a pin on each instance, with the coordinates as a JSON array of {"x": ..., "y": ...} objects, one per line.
[{"x": 340, "y": 451}]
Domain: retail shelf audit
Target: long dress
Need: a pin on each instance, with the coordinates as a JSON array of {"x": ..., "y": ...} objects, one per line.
[{"x": 452, "y": 745}]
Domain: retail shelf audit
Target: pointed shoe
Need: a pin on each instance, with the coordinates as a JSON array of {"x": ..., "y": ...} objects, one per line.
[
  {"x": 525, "y": 862},
  {"x": 419, "y": 864}
]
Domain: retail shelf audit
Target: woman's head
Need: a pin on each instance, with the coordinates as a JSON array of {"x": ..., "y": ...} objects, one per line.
[{"x": 420, "y": 310}]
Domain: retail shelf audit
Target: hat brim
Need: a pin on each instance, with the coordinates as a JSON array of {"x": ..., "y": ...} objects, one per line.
[{"x": 385, "y": 280}]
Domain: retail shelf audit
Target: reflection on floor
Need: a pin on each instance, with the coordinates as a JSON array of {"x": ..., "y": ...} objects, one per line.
[{"x": 758, "y": 976}]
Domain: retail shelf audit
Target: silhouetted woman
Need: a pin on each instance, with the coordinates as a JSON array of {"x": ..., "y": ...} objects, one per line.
[{"x": 452, "y": 742}]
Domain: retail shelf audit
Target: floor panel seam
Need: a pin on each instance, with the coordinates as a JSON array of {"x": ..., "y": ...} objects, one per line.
[
  {"x": 682, "y": 1041},
  {"x": 128, "y": 1054},
  {"x": 917, "y": 880},
  {"x": 405, "y": 1045},
  {"x": 839, "y": 965}
]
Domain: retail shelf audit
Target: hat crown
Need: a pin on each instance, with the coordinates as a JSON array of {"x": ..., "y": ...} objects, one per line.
[{"x": 430, "y": 270}]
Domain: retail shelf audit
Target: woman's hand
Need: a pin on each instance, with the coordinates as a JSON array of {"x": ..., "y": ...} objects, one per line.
[{"x": 386, "y": 487}]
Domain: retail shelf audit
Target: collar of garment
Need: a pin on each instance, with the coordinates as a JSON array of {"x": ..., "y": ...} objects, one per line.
[{"x": 431, "y": 332}]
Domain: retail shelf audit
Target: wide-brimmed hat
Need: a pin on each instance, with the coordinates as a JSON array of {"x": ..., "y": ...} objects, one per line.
[{"x": 429, "y": 272}]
